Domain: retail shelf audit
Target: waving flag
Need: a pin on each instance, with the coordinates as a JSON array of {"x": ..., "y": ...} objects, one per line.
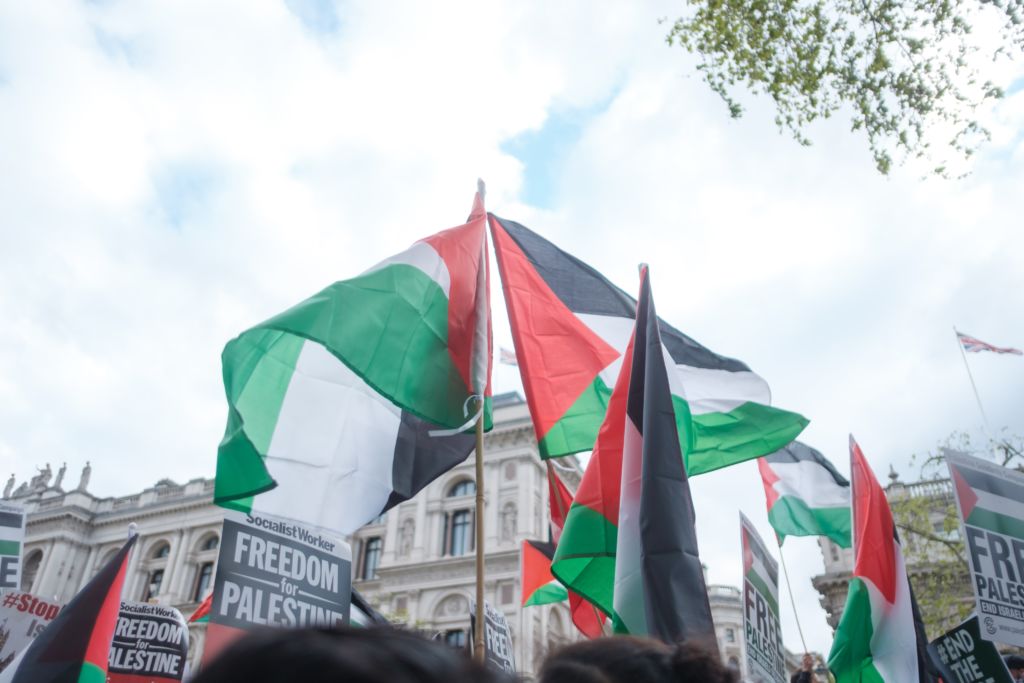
[
  {"x": 74, "y": 647},
  {"x": 806, "y": 495},
  {"x": 539, "y": 586},
  {"x": 338, "y": 401},
  {"x": 202, "y": 613},
  {"x": 570, "y": 327},
  {"x": 973, "y": 345},
  {"x": 629, "y": 543},
  {"x": 880, "y": 638}
]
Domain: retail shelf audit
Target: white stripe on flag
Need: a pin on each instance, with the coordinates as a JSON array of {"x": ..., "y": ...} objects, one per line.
[
  {"x": 996, "y": 503},
  {"x": 810, "y": 482},
  {"x": 628, "y": 598},
  {"x": 333, "y": 447},
  {"x": 894, "y": 641},
  {"x": 423, "y": 256}
]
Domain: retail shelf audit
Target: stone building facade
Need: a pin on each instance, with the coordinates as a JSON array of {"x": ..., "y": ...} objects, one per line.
[{"x": 414, "y": 563}]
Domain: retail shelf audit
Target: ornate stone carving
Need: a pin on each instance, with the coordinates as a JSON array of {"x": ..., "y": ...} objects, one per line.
[{"x": 405, "y": 538}]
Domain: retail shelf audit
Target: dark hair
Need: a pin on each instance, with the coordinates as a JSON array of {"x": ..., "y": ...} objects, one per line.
[
  {"x": 627, "y": 659},
  {"x": 1014, "y": 661},
  {"x": 351, "y": 655}
]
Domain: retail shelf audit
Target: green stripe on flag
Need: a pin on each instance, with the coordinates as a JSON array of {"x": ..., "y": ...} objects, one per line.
[
  {"x": 10, "y": 547},
  {"x": 585, "y": 558},
  {"x": 746, "y": 432},
  {"x": 91, "y": 673},
  {"x": 851, "y": 657},
  {"x": 790, "y": 516},
  {"x": 577, "y": 429},
  {"x": 993, "y": 521},
  {"x": 548, "y": 593}
]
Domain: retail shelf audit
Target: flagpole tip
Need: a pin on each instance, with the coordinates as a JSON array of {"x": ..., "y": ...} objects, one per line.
[
  {"x": 133, "y": 530},
  {"x": 481, "y": 187}
]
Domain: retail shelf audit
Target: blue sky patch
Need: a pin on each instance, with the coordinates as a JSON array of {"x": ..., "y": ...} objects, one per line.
[
  {"x": 182, "y": 188},
  {"x": 318, "y": 16}
]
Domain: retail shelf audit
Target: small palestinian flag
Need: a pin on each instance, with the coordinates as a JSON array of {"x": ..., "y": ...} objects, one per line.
[
  {"x": 806, "y": 495},
  {"x": 539, "y": 586},
  {"x": 880, "y": 638},
  {"x": 337, "y": 402},
  {"x": 990, "y": 497},
  {"x": 570, "y": 327},
  {"x": 74, "y": 647},
  {"x": 202, "y": 613}
]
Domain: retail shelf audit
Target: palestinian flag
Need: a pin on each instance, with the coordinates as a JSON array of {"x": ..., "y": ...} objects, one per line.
[
  {"x": 634, "y": 554},
  {"x": 339, "y": 401},
  {"x": 587, "y": 618},
  {"x": 12, "y": 535},
  {"x": 202, "y": 613},
  {"x": 74, "y": 647},
  {"x": 570, "y": 327},
  {"x": 990, "y": 497},
  {"x": 806, "y": 495},
  {"x": 539, "y": 586},
  {"x": 880, "y": 638}
]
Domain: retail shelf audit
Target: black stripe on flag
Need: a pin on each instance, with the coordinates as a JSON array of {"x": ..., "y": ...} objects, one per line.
[
  {"x": 675, "y": 597},
  {"x": 799, "y": 452},
  {"x": 420, "y": 458},
  {"x": 544, "y": 548},
  {"x": 983, "y": 481},
  {"x": 11, "y": 519},
  {"x": 585, "y": 291}
]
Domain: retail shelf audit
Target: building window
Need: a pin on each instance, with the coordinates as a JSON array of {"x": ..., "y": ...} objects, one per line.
[
  {"x": 152, "y": 587},
  {"x": 203, "y": 581},
  {"x": 734, "y": 663},
  {"x": 401, "y": 604},
  {"x": 458, "y": 538},
  {"x": 162, "y": 551},
  {"x": 30, "y": 569},
  {"x": 507, "y": 593},
  {"x": 455, "y": 638},
  {"x": 730, "y": 635},
  {"x": 466, "y": 487},
  {"x": 210, "y": 544},
  {"x": 371, "y": 557}
]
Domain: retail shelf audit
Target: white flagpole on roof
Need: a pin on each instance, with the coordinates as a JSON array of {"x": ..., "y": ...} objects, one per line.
[{"x": 977, "y": 398}]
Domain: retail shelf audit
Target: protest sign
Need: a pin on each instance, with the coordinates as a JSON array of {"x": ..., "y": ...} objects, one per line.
[
  {"x": 497, "y": 637},
  {"x": 990, "y": 500},
  {"x": 762, "y": 634},
  {"x": 967, "y": 658},
  {"x": 276, "y": 572},
  {"x": 22, "y": 617},
  {"x": 12, "y": 540},
  {"x": 150, "y": 644}
]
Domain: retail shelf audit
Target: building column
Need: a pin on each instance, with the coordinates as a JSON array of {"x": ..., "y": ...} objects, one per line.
[{"x": 174, "y": 573}]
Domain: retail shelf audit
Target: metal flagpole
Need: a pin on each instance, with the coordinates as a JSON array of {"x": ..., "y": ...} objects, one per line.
[
  {"x": 977, "y": 398},
  {"x": 785, "y": 572}
]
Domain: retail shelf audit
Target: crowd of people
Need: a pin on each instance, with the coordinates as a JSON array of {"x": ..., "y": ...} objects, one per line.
[{"x": 385, "y": 655}]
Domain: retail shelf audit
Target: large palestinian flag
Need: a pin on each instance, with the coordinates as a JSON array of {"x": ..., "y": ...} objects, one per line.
[
  {"x": 570, "y": 326},
  {"x": 880, "y": 638},
  {"x": 339, "y": 401},
  {"x": 654, "y": 583},
  {"x": 806, "y": 495},
  {"x": 74, "y": 647}
]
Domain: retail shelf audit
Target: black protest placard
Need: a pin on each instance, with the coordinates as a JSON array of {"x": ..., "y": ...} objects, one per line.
[
  {"x": 990, "y": 500},
  {"x": 12, "y": 541},
  {"x": 967, "y": 657},
  {"x": 276, "y": 572},
  {"x": 497, "y": 638},
  {"x": 150, "y": 644}
]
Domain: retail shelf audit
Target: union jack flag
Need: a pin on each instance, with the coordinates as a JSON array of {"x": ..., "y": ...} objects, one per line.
[
  {"x": 976, "y": 345},
  {"x": 508, "y": 357}
]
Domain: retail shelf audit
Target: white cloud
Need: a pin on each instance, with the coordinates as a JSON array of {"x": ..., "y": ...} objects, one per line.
[{"x": 173, "y": 173}]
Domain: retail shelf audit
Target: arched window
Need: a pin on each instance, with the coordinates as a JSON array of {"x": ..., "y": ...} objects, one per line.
[
  {"x": 203, "y": 581},
  {"x": 30, "y": 569},
  {"x": 730, "y": 635},
  {"x": 465, "y": 487},
  {"x": 161, "y": 551},
  {"x": 210, "y": 544},
  {"x": 455, "y": 638},
  {"x": 157, "y": 565},
  {"x": 458, "y": 539},
  {"x": 371, "y": 557}
]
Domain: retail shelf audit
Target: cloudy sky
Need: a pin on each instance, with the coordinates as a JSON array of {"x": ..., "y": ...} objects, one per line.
[{"x": 172, "y": 173}]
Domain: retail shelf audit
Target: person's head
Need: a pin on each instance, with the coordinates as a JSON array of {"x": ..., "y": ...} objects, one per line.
[
  {"x": 352, "y": 655},
  {"x": 1015, "y": 663},
  {"x": 626, "y": 659},
  {"x": 807, "y": 662}
]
